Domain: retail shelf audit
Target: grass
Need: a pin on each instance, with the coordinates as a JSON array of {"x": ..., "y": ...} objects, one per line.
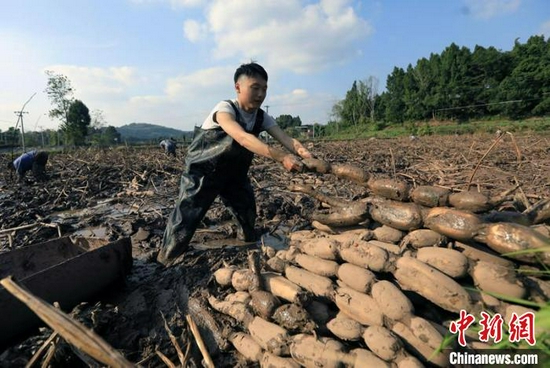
[{"x": 443, "y": 128}]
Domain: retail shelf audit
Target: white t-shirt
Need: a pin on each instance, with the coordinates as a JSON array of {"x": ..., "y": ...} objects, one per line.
[{"x": 248, "y": 118}]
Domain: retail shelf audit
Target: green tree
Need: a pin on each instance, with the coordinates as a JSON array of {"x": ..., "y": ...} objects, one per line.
[
  {"x": 452, "y": 81},
  {"x": 108, "y": 137},
  {"x": 372, "y": 96},
  {"x": 318, "y": 130},
  {"x": 54, "y": 137},
  {"x": 60, "y": 92},
  {"x": 488, "y": 69},
  {"x": 353, "y": 106},
  {"x": 358, "y": 107},
  {"x": 411, "y": 96},
  {"x": 380, "y": 111},
  {"x": 425, "y": 77},
  {"x": 456, "y": 84},
  {"x": 395, "y": 100},
  {"x": 78, "y": 121},
  {"x": 288, "y": 121},
  {"x": 12, "y": 136},
  {"x": 98, "y": 120},
  {"x": 95, "y": 132},
  {"x": 336, "y": 117},
  {"x": 32, "y": 139},
  {"x": 528, "y": 85}
]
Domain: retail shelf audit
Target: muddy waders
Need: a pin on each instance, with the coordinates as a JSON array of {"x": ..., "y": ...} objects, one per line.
[{"x": 215, "y": 165}]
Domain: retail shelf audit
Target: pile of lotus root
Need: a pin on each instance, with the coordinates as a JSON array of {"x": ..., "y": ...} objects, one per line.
[{"x": 380, "y": 281}]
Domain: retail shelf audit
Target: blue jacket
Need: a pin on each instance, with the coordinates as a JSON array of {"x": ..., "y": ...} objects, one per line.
[
  {"x": 24, "y": 162},
  {"x": 168, "y": 145}
]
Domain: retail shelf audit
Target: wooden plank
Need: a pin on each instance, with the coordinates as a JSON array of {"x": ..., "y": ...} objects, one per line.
[
  {"x": 25, "y": 261},
  {"x": 75, "y": 280}
]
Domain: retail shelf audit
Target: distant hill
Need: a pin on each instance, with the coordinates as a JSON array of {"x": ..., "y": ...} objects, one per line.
[{"x": 146, "y": 132}]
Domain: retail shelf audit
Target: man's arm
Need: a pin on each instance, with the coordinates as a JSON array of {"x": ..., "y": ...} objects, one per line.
[
  {"x": 20, "y": 172},
  {"x": 291, "y": 144},
  {"x": 253, "y": 144}
]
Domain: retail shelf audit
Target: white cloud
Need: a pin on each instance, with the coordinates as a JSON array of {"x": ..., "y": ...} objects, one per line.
[
  {"x": 545, "y": 29},
  {"x": 486, "y": 9},
  {"x": 21, "y": 77},
  {"x": 311, "y": 108},
  {"x": 173, "y": 3},
  {"x": 194, "y": 31},
  {"x": 187, "y": 3},
  {"x": 188, "y": 98},
  {"x": 204, "y": 82},
  {"x": 125, "y": 96},
  {"x": 286, "y": 34},
  {"x": 94, "y": 82},
  {"x": 113, "y": 90},
  {"x": 297, "y": 96},
  {"x": 185, "y": 101}
]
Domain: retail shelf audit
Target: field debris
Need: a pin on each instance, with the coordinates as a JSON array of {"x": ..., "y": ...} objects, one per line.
[{"x": 366, "y": 259}]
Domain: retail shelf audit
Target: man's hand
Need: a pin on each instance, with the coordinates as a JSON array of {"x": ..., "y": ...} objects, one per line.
[
  {"x": 304, "y": 153},
  {"x": 292, "y": 163}
]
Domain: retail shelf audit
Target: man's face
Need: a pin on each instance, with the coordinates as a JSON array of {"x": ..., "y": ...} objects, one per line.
[{"x": 251, "y": 92}]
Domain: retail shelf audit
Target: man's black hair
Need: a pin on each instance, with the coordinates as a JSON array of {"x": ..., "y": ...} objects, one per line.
[
  {"x": 41, "y": 158},
  {"x": 251, "y": 69}
]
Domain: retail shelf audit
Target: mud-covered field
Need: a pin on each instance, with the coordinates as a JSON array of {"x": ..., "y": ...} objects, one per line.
[{"x": 129, "y": 192}]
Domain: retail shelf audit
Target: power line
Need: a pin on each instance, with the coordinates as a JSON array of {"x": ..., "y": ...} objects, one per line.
[
  {"x": 479, "y": 105},
  {"x": 490, "y": 103}
]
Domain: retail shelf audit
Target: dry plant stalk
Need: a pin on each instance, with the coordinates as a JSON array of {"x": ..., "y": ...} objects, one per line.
[
  {"x": 187, "y": 348},
  {"x": 165, "y": 359},
  {"x": 50, "y": 353},
  {"x": 181, "y": 356},
  {"x": 41, "y": 350},
  {"x": 393, "y": 163},
  {"x": 202, "y": 347},
  {"x": 518, "y": 153},
  {"x": 71, "y": 330},
  {"x": 481, "y": 160}
]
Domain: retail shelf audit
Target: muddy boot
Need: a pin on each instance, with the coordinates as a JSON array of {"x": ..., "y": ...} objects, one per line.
[
  {"x": 247, "y": 236},
  {"x": 246, "y": 231},
  {"x": 172, "y": 247},
  {"x": 196, "y": 197},
  {"x": 241, "y": 203}
]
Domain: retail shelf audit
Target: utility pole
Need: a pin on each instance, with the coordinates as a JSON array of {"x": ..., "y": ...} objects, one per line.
[
  {"x": 267, "y": 109},
  {"x": 20, "y": 119},
  {"x": 42, "y": 134}
]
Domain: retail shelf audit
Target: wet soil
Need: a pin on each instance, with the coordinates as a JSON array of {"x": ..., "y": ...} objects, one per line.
[{"x": 129, "y": 192}]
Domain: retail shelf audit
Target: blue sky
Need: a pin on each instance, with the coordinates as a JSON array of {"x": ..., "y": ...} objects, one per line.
[{"x": 168, "y": 62}]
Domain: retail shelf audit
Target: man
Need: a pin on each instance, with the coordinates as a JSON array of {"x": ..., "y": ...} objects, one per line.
[
  {"x": 218, "y": 160},
  {"x": 169, "y": 146},
  {"x": 32, "y": 160}
]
